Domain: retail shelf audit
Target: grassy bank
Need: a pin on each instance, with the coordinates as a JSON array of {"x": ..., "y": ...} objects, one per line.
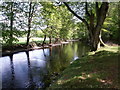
[{"x": 96, "y": 70}]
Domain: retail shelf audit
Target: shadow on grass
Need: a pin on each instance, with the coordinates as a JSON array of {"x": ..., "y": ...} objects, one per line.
[{"x": 92, "y": 71}]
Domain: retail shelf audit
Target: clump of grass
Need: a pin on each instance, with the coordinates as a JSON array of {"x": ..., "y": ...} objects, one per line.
[{"x": 98, "y": 70}]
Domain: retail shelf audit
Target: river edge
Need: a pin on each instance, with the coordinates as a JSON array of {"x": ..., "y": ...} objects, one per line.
[
  {"x": 14, "y": 50},
  {"x": 82, "y": 73}
]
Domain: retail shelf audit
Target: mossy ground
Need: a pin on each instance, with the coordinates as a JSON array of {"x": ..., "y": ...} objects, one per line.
[{"x": 96, "y": 70}]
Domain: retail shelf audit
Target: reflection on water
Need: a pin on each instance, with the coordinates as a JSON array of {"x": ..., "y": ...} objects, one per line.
[{"x": 33, "y": 69}]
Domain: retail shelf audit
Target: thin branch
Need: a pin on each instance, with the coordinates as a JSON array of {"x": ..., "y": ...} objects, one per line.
[{"x": 33, "y": 11}]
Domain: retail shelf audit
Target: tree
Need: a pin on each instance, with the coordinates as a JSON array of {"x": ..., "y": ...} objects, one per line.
[
  {"x": 30, "y": 16},
  {"x": 9, "y": 11},
  {"x": 56, "y": 22},
  {"x": 110, "y": 30},
  {"x": 67, "y": 23},
  {"x": 11, "y": 21},
  {"x": 93, "y": 21},
  {"x": 80, "y": 32},
  {"x": 51, "y": 20}
]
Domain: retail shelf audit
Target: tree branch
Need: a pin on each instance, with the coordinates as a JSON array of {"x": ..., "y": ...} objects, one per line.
[
  {"x": 86, "y": 9},
  {"x": 83, "y": 20},
  {"x": 33, "y": 10},
  {"x": 97, "y": 10},
  {"x": 102, "y": 14}
]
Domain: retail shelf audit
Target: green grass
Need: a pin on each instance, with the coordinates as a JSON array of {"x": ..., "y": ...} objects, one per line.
[
  {"x": 96, "y": 70},
  {"x": 23, "y": 41}
]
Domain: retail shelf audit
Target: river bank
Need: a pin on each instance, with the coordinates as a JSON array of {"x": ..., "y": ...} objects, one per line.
[
  {"x": 15, "y": 48},
  {"x": 8, "y": 50},
  {"x": 96, "y": 70}
]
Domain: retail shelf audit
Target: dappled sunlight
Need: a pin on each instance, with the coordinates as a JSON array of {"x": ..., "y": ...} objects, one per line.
[
  {"x": 95, "y": 71},
  {"x": 8, "y": 51},
  {"x": 78, "y": 78},
  {"x": 110, "y": 48},
  {"x": 60, "y": 82},
  {"x": 104, "y": 81},
  {"x": 89, "y": 80}
]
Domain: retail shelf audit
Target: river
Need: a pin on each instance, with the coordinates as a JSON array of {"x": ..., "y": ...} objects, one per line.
[{"x": 31, "y": 69}]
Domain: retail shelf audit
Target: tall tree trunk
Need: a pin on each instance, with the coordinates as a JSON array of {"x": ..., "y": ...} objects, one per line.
[
  {"x": 28, "y": 36},
  {"x": 95, "y": 42},
  {"x": 30, "y": 15},
  {"x": 29, "y": 24},
  {"x": 95, "y": 30},
  {"x": 11, "y": 25},
  {"x": 95, "y": 39}
]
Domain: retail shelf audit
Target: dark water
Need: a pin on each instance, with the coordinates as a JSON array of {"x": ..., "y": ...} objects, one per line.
[{"x": 35, "y": 68}]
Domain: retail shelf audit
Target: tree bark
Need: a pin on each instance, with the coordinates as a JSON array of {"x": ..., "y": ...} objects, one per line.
[
  {"x": 29, "y": 24},
  {"x": 44, "y": 40},
  {"x": 50, "y": 40},
  {"x": 100, "y": 20},
  {"x": 31, "y": 11},
  {"x": 11, "y": 25},
  {"x": 119, "y": 20}
]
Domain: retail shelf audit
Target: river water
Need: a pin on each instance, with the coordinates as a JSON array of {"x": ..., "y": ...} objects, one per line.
[{"x": 31, "y": 69}]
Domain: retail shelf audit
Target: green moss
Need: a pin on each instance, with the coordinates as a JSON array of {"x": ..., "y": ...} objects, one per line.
[{"x": 96, "y": 70}]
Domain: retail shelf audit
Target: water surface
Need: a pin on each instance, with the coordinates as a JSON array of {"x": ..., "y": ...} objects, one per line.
[{"x": 30, "y": 69}]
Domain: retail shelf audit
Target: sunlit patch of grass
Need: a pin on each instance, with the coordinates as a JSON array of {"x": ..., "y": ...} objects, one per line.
[
  {"x": 23, "y": 41},
  {"x": 106, "y": 48},
  {"x": 110, "y": 48},
  {"x": 98, "y": 70}
]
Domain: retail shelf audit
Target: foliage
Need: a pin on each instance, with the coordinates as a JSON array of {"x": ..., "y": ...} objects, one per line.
[
  {"x": 110, "y": 27},
  {"x": 80, "y": 31},
  {"x": 9, "y": 11},
  {"x": 54, "y": 21},
  {"x": 58, "y": 21}
]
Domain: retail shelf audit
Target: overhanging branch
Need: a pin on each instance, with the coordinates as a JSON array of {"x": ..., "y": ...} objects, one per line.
[{"x": 83, "y": 20}]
